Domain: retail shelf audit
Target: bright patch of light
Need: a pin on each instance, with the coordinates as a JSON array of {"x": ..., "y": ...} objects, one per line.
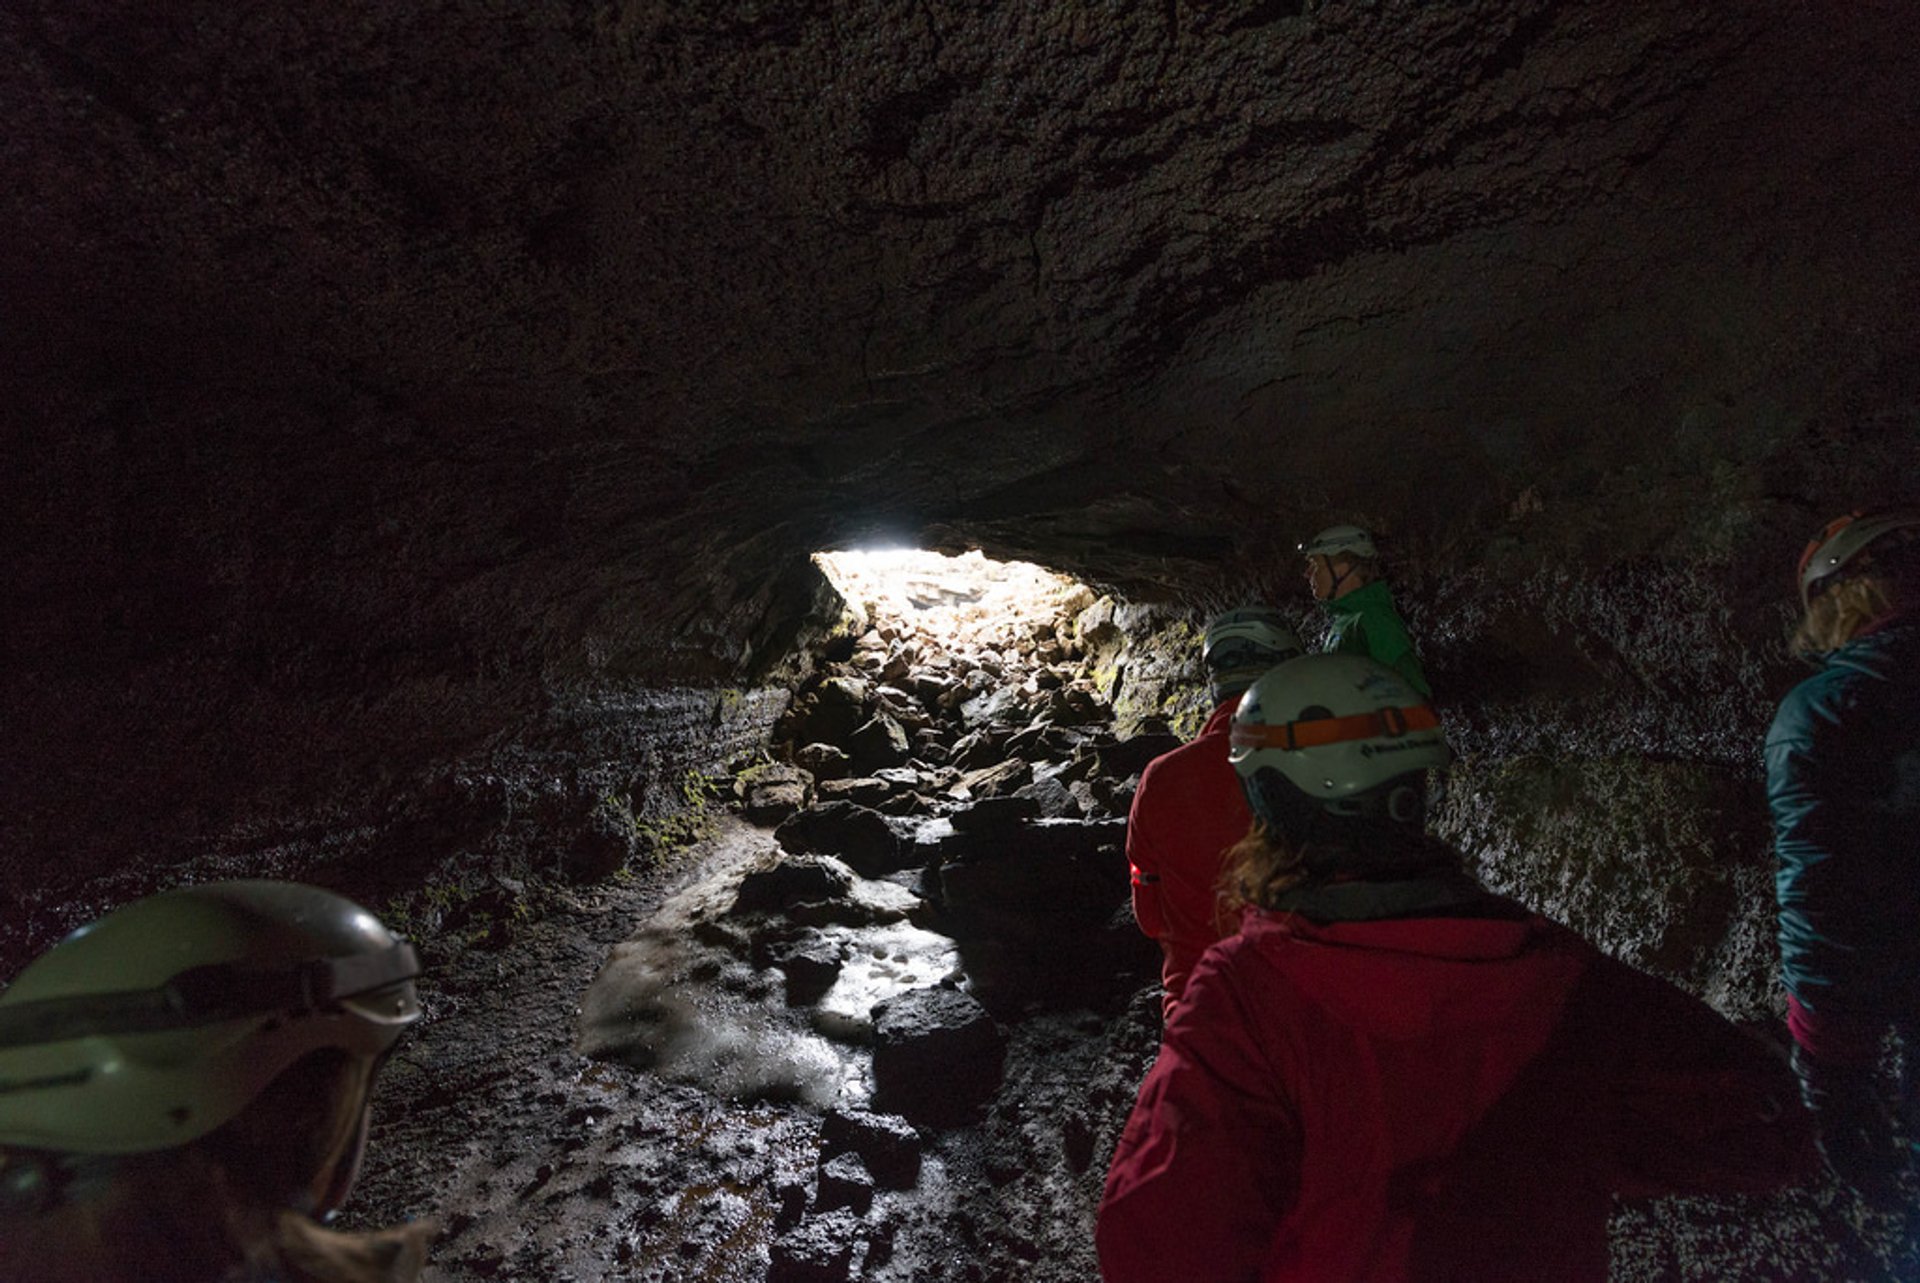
[{"x": 934, "y": 593}]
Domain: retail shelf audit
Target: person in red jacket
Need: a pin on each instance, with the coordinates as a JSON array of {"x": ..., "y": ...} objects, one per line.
[
  {"x": 1189, "y": 808},
  {"x": 1391, "y": 1073}
]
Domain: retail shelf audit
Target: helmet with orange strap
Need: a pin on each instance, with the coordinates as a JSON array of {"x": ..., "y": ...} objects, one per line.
[
  {"x": 1335, "y": 737},
  {"x": 1845, "y": 540}
]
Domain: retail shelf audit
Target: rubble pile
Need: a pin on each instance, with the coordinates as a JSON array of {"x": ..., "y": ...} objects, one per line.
[{"x": 946, "y": 870}]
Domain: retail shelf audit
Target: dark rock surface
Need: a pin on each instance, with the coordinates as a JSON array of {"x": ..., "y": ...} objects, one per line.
[
  {"x": 416, "y": 422},
  {"x": 888, "y": 1147},
  {"x": 856, "y": 834},
  {"x": 937, "y": 1055}
]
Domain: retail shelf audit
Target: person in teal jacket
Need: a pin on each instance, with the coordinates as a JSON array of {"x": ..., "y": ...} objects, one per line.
[{"x": 1343, "y": 572}]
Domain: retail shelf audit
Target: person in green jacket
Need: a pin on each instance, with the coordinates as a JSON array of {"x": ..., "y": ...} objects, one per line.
[{"x": 1343, "y": 572}]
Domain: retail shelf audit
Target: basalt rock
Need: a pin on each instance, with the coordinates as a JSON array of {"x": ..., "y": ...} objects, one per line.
[
  {"x": 818, "y": 1250},
  {"x": 845, "y": 1182},
  {"x": 864, "y": 791},
  {"x": 994, "y": 815},
  {"x": 888, "y": 1145},
  {"x": 993, "y": 781},
  {"x": 823, "y": 761},
  {"x": 937, "y": 1055},
  {"x": 879, "y": 742},
  {"x": 856, "y": 834},
  {"x": 770, "y": 793},
  {"x": 792, "y": 882}
]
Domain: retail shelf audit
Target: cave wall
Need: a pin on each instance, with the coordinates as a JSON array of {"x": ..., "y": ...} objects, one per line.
[{"x": 383, "y": 382}]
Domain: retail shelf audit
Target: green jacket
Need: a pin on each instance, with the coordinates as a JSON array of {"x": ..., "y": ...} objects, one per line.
[{"x": 1365, "y": 623}]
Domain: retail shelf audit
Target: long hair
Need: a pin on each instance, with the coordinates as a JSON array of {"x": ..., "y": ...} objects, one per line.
[
  {"x": 1837, "y": 615},
  {"x": 189, "y": 1213},
  {"x": 1266, "y": 865}
]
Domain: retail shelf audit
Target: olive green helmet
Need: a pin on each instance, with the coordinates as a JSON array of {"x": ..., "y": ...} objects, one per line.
[{"x": 163, "y": 1020}]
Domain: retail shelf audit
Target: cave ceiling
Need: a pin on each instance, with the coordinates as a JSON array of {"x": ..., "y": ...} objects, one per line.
[{"x": 465, "y": 336}]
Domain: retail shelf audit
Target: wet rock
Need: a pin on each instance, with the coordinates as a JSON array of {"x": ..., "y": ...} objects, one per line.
[
  {"x": 844, "y": 1182},
  {"x": 993, "y": 781},
  {"x": 937, "y": 1055},
  {"x": 772, "y": 792},
  {"x": 823, "y": 761},
  {"x": 879, "y": 742},
  {"x": 888, "y": 1146},
  {"x": 792, "y": 882},
  {"x": 818, "y": 1250},
  {"x": 903, "y": 777},
  {"x": 854, "y": 833},
  {"x": 994, "y": 815},
  {"x": 811, "y": 965}
]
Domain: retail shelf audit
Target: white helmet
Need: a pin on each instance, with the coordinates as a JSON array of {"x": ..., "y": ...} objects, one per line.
[
  {"x": 1244, "y": 643},
  {"x": 1334, "y": 540},
  {"x": 165, "y": 1019},
  {"x": 1336, "y": 736}
]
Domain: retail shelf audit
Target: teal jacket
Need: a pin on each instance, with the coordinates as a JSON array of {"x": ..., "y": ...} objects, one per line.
[{"x": 1365, "y": 623}]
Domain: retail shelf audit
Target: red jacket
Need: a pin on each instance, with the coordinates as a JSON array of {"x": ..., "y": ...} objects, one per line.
[
  {"x": 1439, "y": 1098},
  {"x": 1188, "y": 810}
]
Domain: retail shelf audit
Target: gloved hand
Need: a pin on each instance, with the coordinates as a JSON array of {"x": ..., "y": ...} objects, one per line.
[{"x": 1856, "y": 1130}]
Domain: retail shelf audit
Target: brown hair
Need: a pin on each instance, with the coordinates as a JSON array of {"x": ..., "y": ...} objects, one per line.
[
  {"x": 190, "y": 1212},
  {"x": 1837, "y": 615},
  {"x": 1263, "y": 866}
]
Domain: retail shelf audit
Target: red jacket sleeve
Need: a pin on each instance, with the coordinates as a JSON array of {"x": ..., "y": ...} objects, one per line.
[{"x": 1208, "y": 1163}]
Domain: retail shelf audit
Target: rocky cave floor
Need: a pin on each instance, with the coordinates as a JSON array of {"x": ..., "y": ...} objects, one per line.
[{"x": 881, "y": 1020}]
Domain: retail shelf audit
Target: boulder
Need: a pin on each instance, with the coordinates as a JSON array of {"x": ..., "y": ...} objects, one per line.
[
  {"x": 791, "y": 882},
  {"x": 1054, "y": 799},
  {"x": 1072, "y": 706},
  {"x": 811, "y": 965},
  {"x": 937, "y": 1055},
  {"x": 888, "y": 1146},
  {"x": 844, "y": 1182},
  {"x": 879, "y": 742},
  {"x": 771, "y": 792},
  {"x": 856, "y": 834},
  {"x": 995, "y": 815},
  {"x": 865, "y": 791},
  {"x": 993, "y": 781},
  {"x": 975, "y": 750},
  {"x": 818, "y": 1250},
  {"x": 832, "y": 711},
  {"x": 823, "y": 761},
  {"x": 1130, "y": 756}
]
